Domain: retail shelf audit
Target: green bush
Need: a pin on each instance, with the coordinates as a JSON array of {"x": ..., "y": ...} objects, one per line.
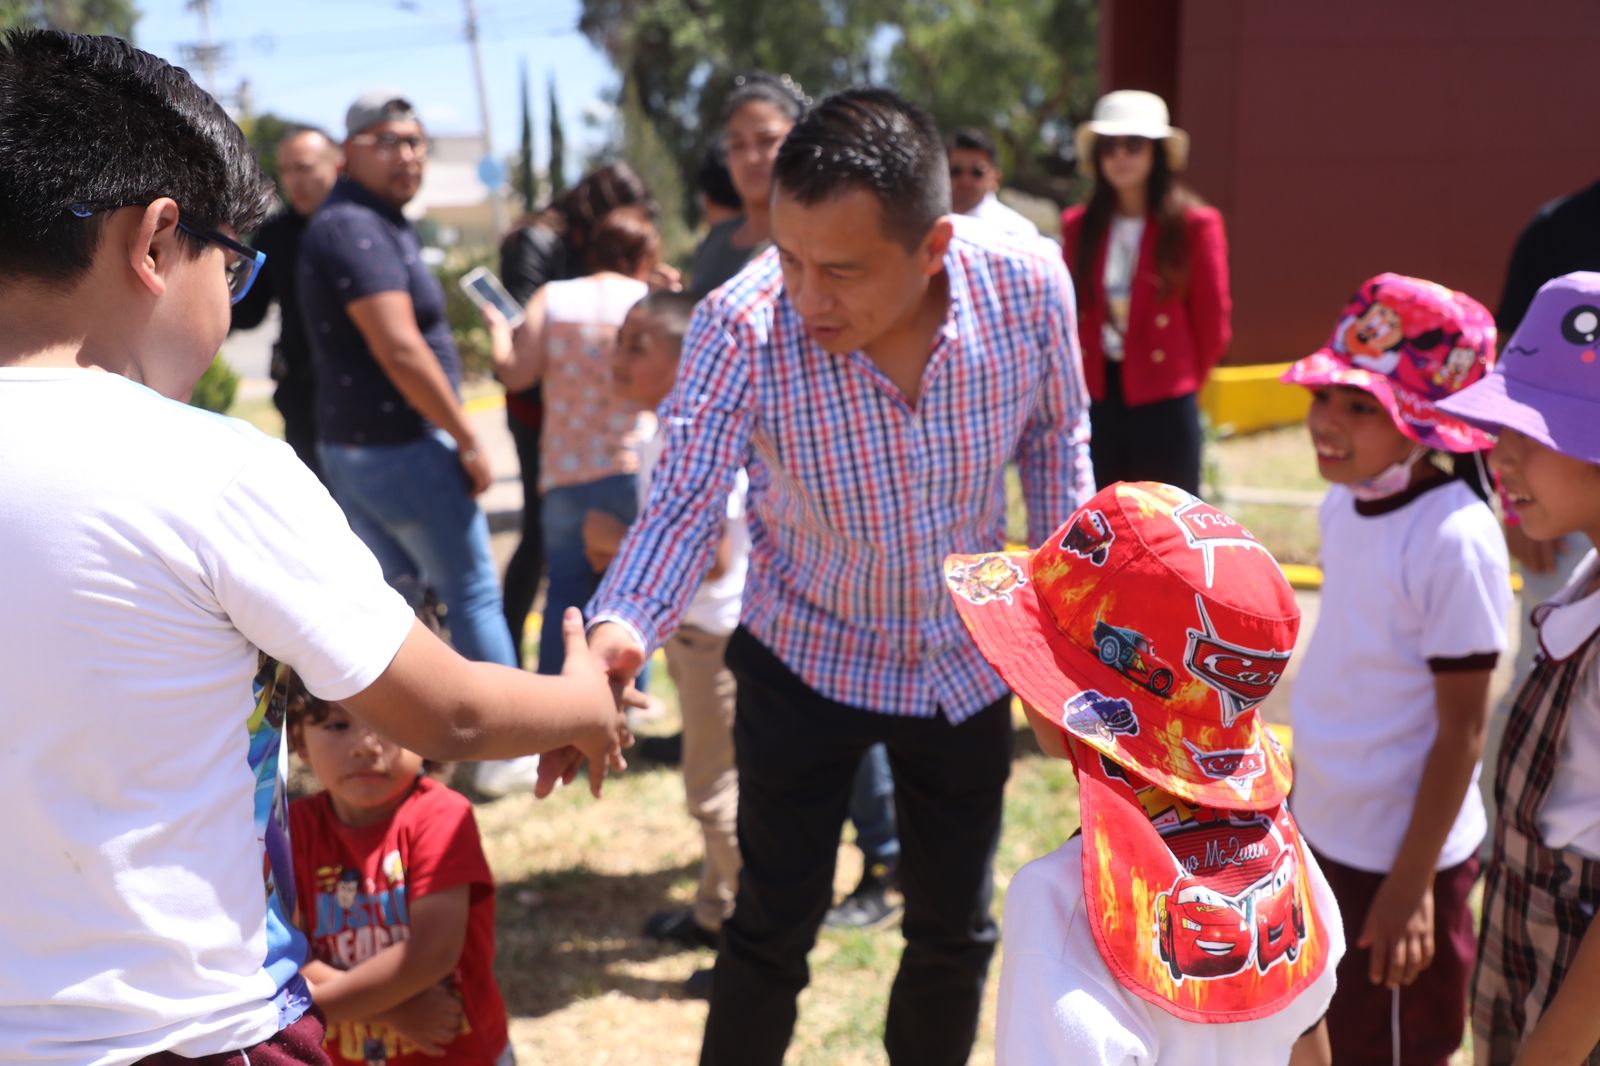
[
  {"x": 216, "y": 388},
  {"x": 466, "y": 324}
]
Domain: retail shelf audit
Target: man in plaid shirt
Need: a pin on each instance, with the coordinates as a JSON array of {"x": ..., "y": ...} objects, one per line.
[{"x": 875, "y": 372}]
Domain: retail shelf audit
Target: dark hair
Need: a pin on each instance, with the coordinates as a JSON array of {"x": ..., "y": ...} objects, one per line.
[
  {"x": 94, "y": 121},
  {"x": 1169, "y": 199},
  {"x": 301, "y": 708},
  {"x": 676, "y": 308},
  {"x": 971, "y": 139},
  {"x": 870, "y": 139},
  {"x": 757, "y": 86},
  {"x": 601, "y": 191},
  {"x": 625, "y": 240},
  {"x": 1472, "y": 468},
  {"x": 301, "y": 130},
  {"x": 714, "y": 180}
]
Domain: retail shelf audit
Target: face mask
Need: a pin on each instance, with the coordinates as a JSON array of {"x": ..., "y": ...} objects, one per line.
[{"x": 1392, "y": 479}]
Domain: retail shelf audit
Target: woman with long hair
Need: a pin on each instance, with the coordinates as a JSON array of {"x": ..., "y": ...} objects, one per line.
[
  {"x": 590, "y": 434},
  {"x": 1150, "y": 262},
  {"x": 545, "y": 247},
  {"x": 756, "y": 117}
]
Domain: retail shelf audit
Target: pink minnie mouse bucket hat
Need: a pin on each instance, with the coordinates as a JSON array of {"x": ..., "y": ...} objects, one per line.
[
  {"x": 1547, "y": 384},
  {"x": 1409, "y": 343}
]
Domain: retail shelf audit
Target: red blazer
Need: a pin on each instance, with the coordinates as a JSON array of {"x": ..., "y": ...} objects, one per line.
[{"x": 1172, "y": 343}]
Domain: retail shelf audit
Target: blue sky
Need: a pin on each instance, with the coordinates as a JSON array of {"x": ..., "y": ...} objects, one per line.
[{"x": 307, "y": 59}]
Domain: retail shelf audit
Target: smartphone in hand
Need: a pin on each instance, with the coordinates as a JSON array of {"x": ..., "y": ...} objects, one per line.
[{"x": 482, "y": 287}]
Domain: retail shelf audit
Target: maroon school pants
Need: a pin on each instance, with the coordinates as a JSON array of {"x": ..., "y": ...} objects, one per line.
[
  {"x": 298, "y": 1045},
  {"x": 1433, "y": 1009}
]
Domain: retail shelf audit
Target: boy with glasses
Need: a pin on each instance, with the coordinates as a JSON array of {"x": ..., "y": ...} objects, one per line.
[{"x": 160, "y": 563}]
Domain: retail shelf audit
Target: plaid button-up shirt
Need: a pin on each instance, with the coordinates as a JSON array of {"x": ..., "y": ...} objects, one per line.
[{"x": 856, "y": 496}]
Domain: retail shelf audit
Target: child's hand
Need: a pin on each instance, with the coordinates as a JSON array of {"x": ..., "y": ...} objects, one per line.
[
  {"x": 666, "y": 276},
  {"x": 431, "y": 1019},
  {"x": 603, "y": 742},
  {"x": 1399, "y": 932},
  {"x": 602, "y": 538}
]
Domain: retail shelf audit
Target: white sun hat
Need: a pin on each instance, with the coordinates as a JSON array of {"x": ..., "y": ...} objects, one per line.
[{"x": 1131, "y": 113}]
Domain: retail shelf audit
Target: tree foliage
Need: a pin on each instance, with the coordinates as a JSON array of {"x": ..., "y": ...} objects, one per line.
[
  {"x": 1022, "y": 69},
  {"x": 114, "y": 17}
]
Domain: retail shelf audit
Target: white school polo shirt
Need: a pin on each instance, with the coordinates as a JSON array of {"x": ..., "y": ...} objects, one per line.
[{"x": 1420, "y": 582}]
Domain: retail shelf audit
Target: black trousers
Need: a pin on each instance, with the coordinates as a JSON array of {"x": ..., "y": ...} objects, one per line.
[
  {"x": 1152, "y": 442},
  {"x": 527, "y": 561},
  {"x": 797, "y": 754},
  {"x": 296, "y": 401}
]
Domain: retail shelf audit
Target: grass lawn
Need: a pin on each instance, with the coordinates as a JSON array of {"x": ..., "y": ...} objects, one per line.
[{"x": 578, "y": 878}]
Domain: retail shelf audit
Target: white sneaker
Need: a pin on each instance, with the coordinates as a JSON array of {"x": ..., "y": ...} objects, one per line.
[{"x": 502, "y": 777}]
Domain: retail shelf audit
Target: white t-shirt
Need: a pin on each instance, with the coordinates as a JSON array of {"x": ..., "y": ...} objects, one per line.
[
  {"x": 149, "y": 550},
  {"x": 1571, "y": 815},
  {"x": 1427, "y": 580},
  {"x": 997, "y": 214},
  {"x": 1122, "y": 259},
  {"x": 1059, "y": 1004},
  {"x": 716, "y": 603}
]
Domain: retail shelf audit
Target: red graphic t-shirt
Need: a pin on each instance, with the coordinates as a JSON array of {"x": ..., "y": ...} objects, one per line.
[{"x": 355, "y": 887}]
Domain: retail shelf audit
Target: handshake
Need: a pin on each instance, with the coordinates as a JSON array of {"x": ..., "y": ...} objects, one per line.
[{"x": 601, "y": 668}]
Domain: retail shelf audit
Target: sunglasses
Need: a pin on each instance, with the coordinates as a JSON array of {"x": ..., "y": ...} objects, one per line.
[
  {"x": 244, "y": 262},
  {"x": 968, "y": 172},
  {"x": 1113, "y": 145}
]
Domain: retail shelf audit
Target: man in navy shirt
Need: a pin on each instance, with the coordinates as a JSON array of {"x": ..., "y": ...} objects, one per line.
[
  {"x": 308, "y": 165},
  {"x": 397, "y": 448}
]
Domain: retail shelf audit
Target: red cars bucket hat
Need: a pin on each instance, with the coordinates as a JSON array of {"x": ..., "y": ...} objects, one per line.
[
  {"x": 1409, "y": 343},
  {"x": 1150, "y": 626}
]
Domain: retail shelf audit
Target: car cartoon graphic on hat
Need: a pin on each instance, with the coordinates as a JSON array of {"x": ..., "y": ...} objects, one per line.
[
  {"x": 1280, "y": 918},
  {"x": 1095, "y": 712},
  {"x": 1132, "y": 654},
  {"x": 1089, "y": 537},
  {"x": 1202, "y": 933},
  {"x": 987, "y": 579}
]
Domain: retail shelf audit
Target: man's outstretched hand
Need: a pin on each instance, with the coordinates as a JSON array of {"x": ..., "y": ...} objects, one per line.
[{"x": 601, "y": 744}]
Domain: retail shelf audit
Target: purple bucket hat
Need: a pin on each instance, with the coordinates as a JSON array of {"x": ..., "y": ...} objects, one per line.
[{"x": 1547, "y": 383}]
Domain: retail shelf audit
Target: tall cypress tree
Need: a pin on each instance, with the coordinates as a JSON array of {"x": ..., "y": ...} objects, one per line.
[
  {"x": 527, "y": 180},
  {"x": 558, "y": 145}
]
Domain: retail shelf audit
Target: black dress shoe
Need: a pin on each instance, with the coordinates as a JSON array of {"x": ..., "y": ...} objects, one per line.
[
  {"x": 679, "y": 927},
  {"x": 698, "y": 984},
  {"x": 869, "y": 905}
]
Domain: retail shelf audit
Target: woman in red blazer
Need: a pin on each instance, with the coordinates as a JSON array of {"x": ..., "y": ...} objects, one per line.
[{"x": 1150, "y": 262}]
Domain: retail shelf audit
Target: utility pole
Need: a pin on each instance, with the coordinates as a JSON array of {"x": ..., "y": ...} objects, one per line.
[
  {"x": 497, "y": 207},
  {"x": 206, "y": 54}
]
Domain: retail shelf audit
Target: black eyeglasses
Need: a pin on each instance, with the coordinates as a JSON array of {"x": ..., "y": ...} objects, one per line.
[
  {"x": 391, "y": 143},
  {"x": 968, "y": 172},
  {"x": 244, "y": 262}
]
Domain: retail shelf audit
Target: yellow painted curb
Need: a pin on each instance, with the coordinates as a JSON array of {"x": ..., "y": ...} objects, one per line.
[
  {"x": 1302, "y": 577},
  {"x": 1248, "y": 398},
  {"x": 492, "y": 401}
]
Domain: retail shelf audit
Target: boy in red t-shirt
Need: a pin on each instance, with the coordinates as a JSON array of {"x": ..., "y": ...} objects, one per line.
[{"x": 396, "y": 898}]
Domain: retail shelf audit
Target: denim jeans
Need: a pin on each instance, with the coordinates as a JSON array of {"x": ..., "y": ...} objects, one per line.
[
  {"x": 872, "y": 807},
  {"x": 573, "y": 582},
  {"x": 410, "y": 505}
]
